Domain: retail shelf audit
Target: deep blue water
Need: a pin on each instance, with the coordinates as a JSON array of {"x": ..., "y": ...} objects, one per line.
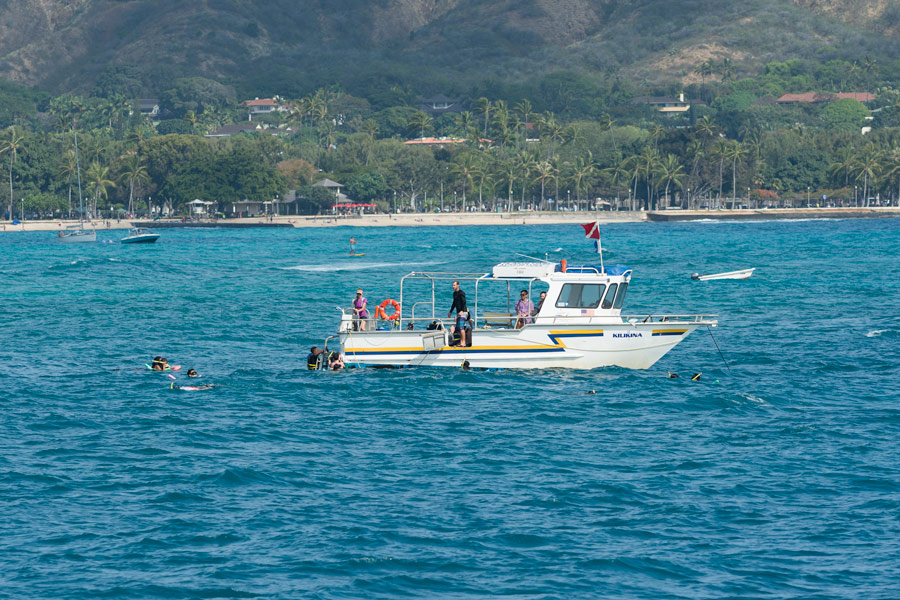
[{"x": 778, "y": 478}]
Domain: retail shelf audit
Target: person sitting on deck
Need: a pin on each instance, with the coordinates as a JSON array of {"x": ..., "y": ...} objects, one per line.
[
  {"x": 524, "y": 309},
  {"x": 360, "y": 314}
]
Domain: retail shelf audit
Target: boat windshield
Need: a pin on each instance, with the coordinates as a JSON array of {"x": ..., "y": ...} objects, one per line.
[{"x": 580, "y": 295}]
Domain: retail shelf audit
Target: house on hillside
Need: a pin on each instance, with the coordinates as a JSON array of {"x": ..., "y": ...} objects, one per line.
[
  {"x": 666, "y": 104},
  {"x": 439, "y": 105},
  {"x": 264, "y": 106},
  {"x": 148, "y": 107},
  {"x": 820, "y": 97},
  {"x": 235, "y": 128}
]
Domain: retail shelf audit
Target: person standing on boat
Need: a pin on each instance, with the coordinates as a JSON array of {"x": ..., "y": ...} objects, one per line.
[
  {"x": 463, "y": 324},
  {"x": 537, "y": 307},
  {"x": 360, "y": 314},
  {"x": 524, "y": 309}
]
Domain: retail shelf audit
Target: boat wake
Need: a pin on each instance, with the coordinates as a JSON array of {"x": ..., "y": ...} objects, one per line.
[{"x": 883, "y": 332}]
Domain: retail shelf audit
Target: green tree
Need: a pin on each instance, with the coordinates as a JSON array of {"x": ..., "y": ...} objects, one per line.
[
  {"x": 846, "y": 114},
  {"x": 10, "y": 144}
]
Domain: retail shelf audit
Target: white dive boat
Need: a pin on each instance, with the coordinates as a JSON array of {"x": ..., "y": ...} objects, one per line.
[
  {"x": 139, "y": 235},
  {"x": 742, "y": 274},
  {"x": 578, "y": 326},
  {"x": 77, "y": 233}
]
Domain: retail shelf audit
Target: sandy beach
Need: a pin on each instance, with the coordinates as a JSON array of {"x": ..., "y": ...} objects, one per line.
[
  {"x": 400, "y": 220},
  {"x": 454, "y": 219}
]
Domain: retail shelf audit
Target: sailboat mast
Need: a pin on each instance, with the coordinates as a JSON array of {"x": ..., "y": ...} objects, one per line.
[{"x": 78, "y": 171}]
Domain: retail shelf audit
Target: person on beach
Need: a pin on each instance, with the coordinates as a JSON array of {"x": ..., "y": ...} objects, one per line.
[
  {"x": 360, "y": 313},
  {"x": 524, "y": 308},
  {"x": 463, "y": 323}
]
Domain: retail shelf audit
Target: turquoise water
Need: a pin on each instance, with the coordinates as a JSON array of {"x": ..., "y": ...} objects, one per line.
[{"x": 777, "y": 478}]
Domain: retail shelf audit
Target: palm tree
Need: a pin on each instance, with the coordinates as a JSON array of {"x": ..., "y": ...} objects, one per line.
[
  {"x": 867, "y": 168},
  {"x": 720, "y": 150},
  {"x": 616, "y": 173},
  {"x": 191, "y": 118},
  {"x": 525, "y": 109},
  {"x": 582, "y": 170},
  {"x": 735, "y": 153},
  {"x": 464, "y": 123},
  {"x": 464, "y": 167},
  {"x": 843, "y": 165},
  {"x": 419, "y": 122},
  {"x": 544, "y": 172},
  {"x": 68, "y": 168},
  {"x": 11, "y": 142},
  {"x": 647, "y": 161},
  {"x": 670, "y": 171},
  {"x": 484, "y": 107},
  {"x": 525, "y": 164},
  {"x": 133, "y": 172},
  {"x": 97, "y": 177},
  {"x": 892, "y": 168}
]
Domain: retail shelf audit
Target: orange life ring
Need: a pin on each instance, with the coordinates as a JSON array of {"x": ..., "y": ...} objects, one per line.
[{"x": 380, "y": 312}]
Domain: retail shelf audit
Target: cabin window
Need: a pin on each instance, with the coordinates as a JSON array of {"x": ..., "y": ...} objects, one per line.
[
  {"x": 610, "y": 295},
  {"x": 620, "y": 299},
  {"x": 580, "y": 295}
]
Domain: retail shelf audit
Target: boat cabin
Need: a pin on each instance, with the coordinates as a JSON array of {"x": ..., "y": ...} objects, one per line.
[{"x": 574, "y": 294}]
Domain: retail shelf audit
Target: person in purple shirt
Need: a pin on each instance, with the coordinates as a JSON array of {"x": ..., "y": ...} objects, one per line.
[
  {"x": 524, "y": 309},
  {"x": 360, "y": 313}
]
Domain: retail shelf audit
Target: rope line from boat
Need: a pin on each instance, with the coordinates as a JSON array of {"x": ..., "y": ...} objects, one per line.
[{"x": 717, "y": 347}]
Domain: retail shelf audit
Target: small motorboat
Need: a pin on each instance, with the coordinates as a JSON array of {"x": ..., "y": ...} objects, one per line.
[
  {"x": 742, "y": 274},
  {"x": 139, "y": 235}
]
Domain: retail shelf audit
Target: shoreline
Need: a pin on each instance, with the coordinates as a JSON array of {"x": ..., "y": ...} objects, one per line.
[
  {"x": 381, "y": 220},
  {"x": 462, "y": 219}
]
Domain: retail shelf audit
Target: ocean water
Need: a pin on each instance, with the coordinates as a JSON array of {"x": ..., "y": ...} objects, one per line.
[{"x": 778, "y": 477}]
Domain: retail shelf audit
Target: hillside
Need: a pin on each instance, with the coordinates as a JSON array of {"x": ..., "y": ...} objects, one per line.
[{"x": 290, "y": 47}]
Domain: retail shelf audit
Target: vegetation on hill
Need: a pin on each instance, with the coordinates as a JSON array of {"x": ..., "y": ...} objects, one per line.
[{"x": 548, "y": 94}]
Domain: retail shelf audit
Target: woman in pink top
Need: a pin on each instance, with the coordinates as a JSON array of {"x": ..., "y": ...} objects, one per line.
[{"x": 359, "y": 311}]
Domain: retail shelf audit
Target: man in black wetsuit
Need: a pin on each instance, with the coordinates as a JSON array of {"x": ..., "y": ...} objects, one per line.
[
  {"x": 462, "y": 317},
  {"x": 312, "y": 359}
]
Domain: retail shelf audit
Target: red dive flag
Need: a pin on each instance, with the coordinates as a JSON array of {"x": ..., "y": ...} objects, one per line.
[{"x": 592, "y": 230}]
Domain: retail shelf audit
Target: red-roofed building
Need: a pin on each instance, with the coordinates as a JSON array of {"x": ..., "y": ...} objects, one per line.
[{"x": 263, "y": 106}]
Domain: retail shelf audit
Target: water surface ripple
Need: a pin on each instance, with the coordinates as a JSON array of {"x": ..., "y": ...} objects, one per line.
[{"x": 778, "y": 478}]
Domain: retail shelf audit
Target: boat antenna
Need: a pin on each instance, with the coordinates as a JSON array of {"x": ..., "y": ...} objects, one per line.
[{"x": 533, "y": 258}]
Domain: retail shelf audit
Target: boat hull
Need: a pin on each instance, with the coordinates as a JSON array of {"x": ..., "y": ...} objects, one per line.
[
  {"x": 141, "y": 239},
  {"x": 624, "y": 344},
  {"x": 76, "y": 237}
]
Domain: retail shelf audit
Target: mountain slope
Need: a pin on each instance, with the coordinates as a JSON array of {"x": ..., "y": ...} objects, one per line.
[{"x": 66, "y": 46}]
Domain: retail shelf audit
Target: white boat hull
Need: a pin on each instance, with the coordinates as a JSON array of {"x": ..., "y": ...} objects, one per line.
[
  {"x": 632, "y": 345},
  {"x": 146, "y": 238},
  {"x": 78, "y": 236},
  {"x": 742, "y": 274}
]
